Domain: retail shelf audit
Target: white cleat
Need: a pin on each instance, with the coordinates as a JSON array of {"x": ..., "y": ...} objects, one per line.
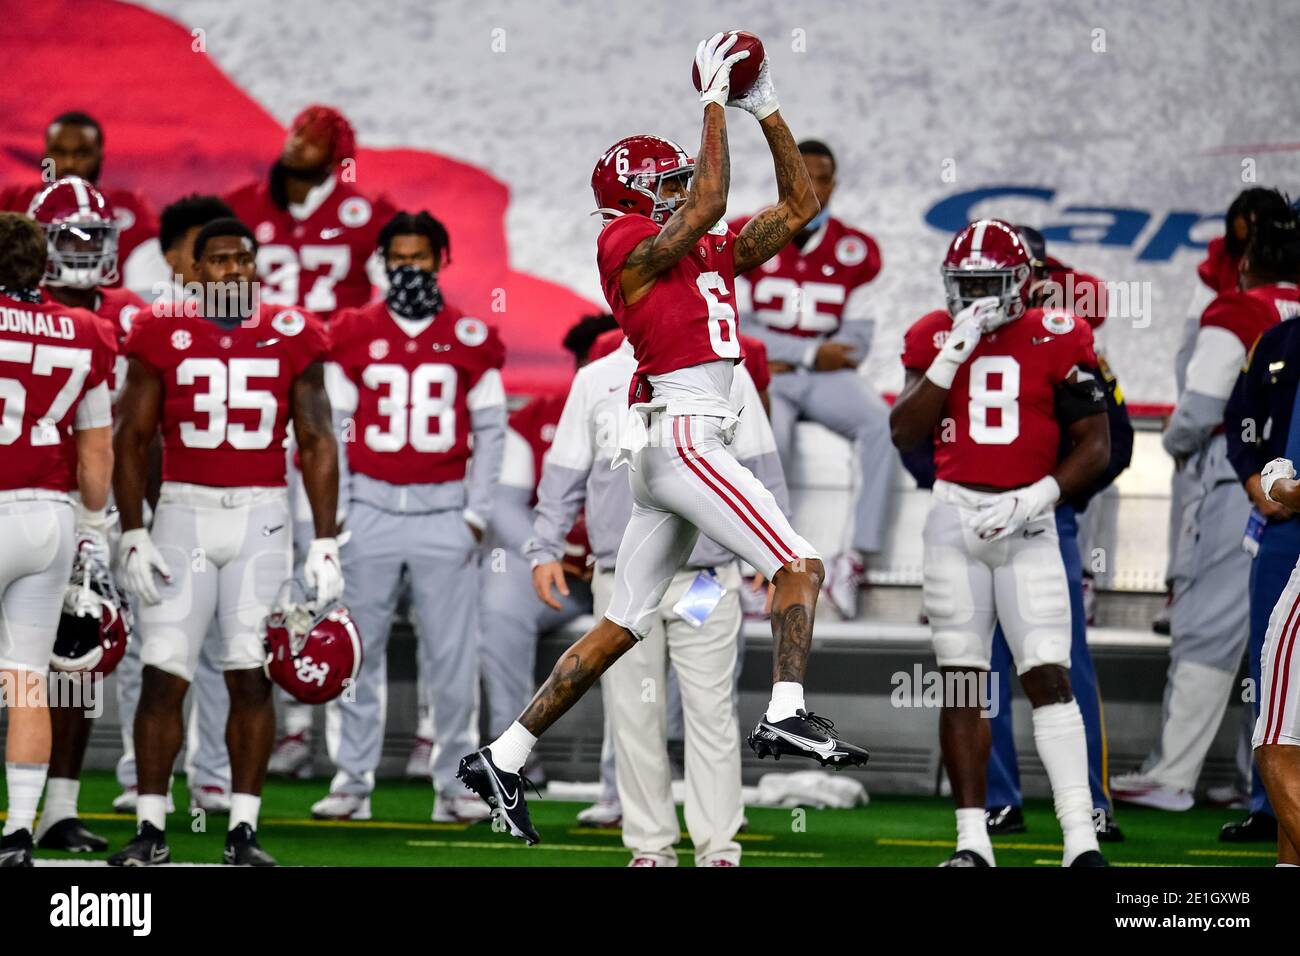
[
  {"x": 209, "y": 799},
  {"x": 291, "y": 756},
  {"x": 843, "y": 586},
  {"x": 648, "y": 860},
  {"x": 1142, "y": 791},
  {"x": 466, "y": 809},
  {"x": 603, "y": 814},
  {"x": 126, "y": 801},
  {"x": 341, "y": 806},
  {"x": 419, "y": 765},
  {"x": 1228, "y": 797}
]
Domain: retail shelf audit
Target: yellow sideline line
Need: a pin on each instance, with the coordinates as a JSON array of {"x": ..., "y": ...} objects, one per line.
[
  {"x": 1057, "y": 863},
  {"x": 618, "y": 832},
  {"x": 1252, "y": 854},
  {"x": 584, "y": 848},
  {"x": 951, "y": 843},
  {"x": 339, "y": 824}
]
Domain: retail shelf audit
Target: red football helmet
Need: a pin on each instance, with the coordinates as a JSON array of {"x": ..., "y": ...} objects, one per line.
[
  {"x": 313, "y": 653},
  {"x": 629, "y": 178},
  {"x": 988, "y": 258},
  {"x": 96, "y": 624},
  {"x": 80, "y": 233}
]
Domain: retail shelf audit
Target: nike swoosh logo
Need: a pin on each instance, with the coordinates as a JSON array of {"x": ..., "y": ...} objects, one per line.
[
  {"x": 264, "y": 344},
  {"x": 271, "y": 529},
  {"x": 824, "y": 747},
  {"x": 158, "y": 854},
  {"x": 331, "y": 233},
  {"x": 512, "y": 798},
  {"x": 1034, "y": 534},
  {"x": 1035, "y": 341}
]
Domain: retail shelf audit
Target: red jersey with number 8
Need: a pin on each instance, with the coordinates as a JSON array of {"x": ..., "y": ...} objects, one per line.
[
  {"x": 50, "y": 356},
  {"x": 999, "y": 426},
  {"x": 226, "y": 390},
  {"x": 689, "y": 315},
  {"x": 415, "y": 394}
]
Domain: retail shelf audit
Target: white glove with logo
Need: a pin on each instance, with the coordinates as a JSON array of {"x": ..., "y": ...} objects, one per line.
[
  {"x": 967, "y": 327},
  {"x": 138, "y": 561},
  {"x": 714, "y": 67},
  {"x": 1006, "y": 514},
  {"x": 92, "y": 533},
  {"x": 1275, "y": 469},
  {"x": 759, "y": 99},
  {"x": 323, "y": 571}
]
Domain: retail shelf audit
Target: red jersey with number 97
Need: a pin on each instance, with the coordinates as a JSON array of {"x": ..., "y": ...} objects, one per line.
[
  {"x": 226, "y": 390},
  {"x": 50, "y": 356},
  {"x": 689, "y": 315},
  {"x": 999, "y": 426},
  {"x": 415, "y": 394}
]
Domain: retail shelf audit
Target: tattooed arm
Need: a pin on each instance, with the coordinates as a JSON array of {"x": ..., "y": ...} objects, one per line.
[
  {"x": 705, "y": 204},
  {"x": 769, "y": 231}
]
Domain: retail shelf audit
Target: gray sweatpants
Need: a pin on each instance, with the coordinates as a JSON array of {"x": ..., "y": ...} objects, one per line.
[
  {"x": 441, "y": 554},
  {"x": 843, "y": 402}
]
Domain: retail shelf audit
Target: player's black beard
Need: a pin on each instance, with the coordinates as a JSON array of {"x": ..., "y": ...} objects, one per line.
[{"x": 280, "y": 173}]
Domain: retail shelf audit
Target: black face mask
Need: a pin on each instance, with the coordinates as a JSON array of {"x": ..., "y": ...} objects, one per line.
[
  {"x": 413, "y": 293},
  {"x": 32, "y": 296}
]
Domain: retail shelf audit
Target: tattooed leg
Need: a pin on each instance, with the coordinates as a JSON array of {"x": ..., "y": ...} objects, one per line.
[
  {"x": 793, "y": 607},
  {"x": 577, "y": 669}
]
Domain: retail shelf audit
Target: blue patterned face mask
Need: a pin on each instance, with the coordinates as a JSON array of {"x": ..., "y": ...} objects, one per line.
[
  {"x": 413, "y": 293},
  {"x": 819, "y": 220}
]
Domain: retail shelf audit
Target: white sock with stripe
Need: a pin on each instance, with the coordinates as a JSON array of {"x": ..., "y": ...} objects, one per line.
[{"x": 25, "y": 781}]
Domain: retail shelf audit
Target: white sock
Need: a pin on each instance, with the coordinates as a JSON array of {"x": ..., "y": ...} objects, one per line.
[
  {"x": 973, "y": 833},
  {"x": 244, "y": 808},
  {"x": 787, "y": 697},
  {"x": 25, "y": 782},
  {"x": 151, "y": 808},
  {"x": 60, "y": 801},
  {"x": 297, "y": 719},
  {"x": 1063, "y": 749},
  {"x": 510, "y": 751}
]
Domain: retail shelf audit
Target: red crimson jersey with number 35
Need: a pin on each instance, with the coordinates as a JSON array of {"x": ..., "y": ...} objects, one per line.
[
  {"x": 689, "y": 315},
  {"x": 226, "y": 390},
  {"x": 50, "y": 356},
  {"x": 999, "y": 426},
  {"x": 415, "y": 394}
]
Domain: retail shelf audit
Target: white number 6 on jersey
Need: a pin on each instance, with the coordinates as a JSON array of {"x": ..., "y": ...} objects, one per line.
[{"x": 720, "y": 313}]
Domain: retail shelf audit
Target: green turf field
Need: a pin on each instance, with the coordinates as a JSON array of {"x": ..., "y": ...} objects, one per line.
[{"x": 892, "y": 831}]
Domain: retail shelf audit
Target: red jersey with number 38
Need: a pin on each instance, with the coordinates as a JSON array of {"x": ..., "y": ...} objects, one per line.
[
  {"x": 226, "y": 391},
  {"x": 50, "y": 356},
  {"x": 415, "y": 394},
  {"x": 999, "y": 425},
  {"x": 689, "y": 315}
]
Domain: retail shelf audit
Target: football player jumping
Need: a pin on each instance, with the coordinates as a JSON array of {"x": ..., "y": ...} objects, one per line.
[
  {"x": 668, "y": 264},
  {"x": 222, "y": 387},
  {"x": 56, "y": 435},
  {"x": 993, "y": 382}
]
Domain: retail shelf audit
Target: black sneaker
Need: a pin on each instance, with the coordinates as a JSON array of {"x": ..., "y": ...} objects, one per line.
[
  {"x": 1258, "y": 827},
  {"x": 805, "y": 735},
  {"x": 242, "y": 848},
  {"x": 149, "y": 848},
  {"x": 1090, "y": 858},
  {"x": 965, "y": 858},
  {"x": 1108, "y": 831},
  {"x": 503, "y": 792},
  {"x": 16, "y": 849},
  {"x": 1002, "y": 820},
  {"x": 71, "y": 834}
]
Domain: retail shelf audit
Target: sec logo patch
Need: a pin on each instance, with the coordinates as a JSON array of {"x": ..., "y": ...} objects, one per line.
[
  {"x": 126, "y": 316},
  {"x": 288, "y": 322},
  {"x": 181, "y": 340},
  {"x": 471, "y": 332},
  {"x": 1057, "y": 322},
  {"x": 354, "y": 211},
  {"x": 264, "y": 232},
  {"x": 851, "y": 250},
  {"x": 378, "y": 349}
]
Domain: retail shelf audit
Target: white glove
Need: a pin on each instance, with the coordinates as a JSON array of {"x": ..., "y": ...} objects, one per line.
[
  {"x": 138, "y": 561},
  {"x": 759, "y": 99},
  {"x": 1275, "y": 469},
  {"x": 1006, "y": 514},
  {"x": 92, "y": 533},
  {"x": 714, "y": 67},
  {"x": 967, "y": 327},
  {"x": 323, "y": 571}
]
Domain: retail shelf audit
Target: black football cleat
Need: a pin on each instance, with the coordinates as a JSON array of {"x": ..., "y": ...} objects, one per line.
[
  {"x": 965, "y": 858},
  {"x": 70, "y": 834},
  {"x": 1108, "y": 831},
  {"x": 1258, "y": 827},
  {"x": 242, "y": 848},
  {"x": 16, "y": 849},
  {"x": 1090, "y": 858},
  {"x": 805, "y": 735},
  {"x": 149, "y": 848},
  {"x": 1002, "y": 820},
  {"x": 503, "y": 792}
]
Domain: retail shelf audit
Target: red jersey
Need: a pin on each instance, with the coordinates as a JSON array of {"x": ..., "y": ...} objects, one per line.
[
  {"x": 136, "y": 219},
  {"x": 1219, "y": 270},
  {"x": 412, "y": 422},
  {"x": 804, "y": 291},
  {"x": 753, "y": 351},
  {"x": 226, "y": 390},
  {"x": 318, "y": 263},
  {"x": 117, "y": 307},
  {"x": 1002, "y": 404},
  {"x": 1089, "y": 299},
  {"x": 50, "y": 356},
  {"x": 535, "y": 423},
  {"x": 1250, "y": 314},
  {"x": 688, "y": 317}
]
